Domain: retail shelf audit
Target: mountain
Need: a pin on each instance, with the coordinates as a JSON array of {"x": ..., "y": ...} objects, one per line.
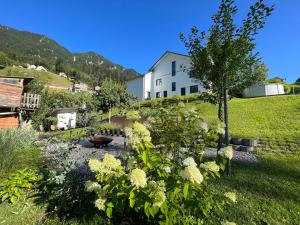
[{"x": 22, "y": 47}]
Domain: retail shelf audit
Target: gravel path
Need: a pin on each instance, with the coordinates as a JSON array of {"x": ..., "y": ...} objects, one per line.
[
  {"x": 237, "y": 155},
  {"x": 84, "y": 150}
]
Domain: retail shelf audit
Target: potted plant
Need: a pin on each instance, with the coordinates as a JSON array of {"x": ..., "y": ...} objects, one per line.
[{"x": 52, "y": 123}]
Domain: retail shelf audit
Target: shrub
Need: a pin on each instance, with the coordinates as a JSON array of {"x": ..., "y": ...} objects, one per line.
[
  {"x": 154, "y": 188},
  {"x": 17, "y": 183},
  {"x": 10, "y": 140}
]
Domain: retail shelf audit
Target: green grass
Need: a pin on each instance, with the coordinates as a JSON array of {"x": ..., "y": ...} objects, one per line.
[
  {"x": 265, "y": 117},
  {"x": 268, "y": 192},
  {"x": 67, "y": 135},
  {"x": 24, "y": 212},
  {"x": 47, "y": 77}
]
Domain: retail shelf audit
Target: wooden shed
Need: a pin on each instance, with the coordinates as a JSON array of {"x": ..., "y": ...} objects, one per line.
[{"x": 13, "y": 100}]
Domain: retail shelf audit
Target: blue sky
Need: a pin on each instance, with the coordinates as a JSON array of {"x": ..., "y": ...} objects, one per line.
[{"x": 135, "y": 33}]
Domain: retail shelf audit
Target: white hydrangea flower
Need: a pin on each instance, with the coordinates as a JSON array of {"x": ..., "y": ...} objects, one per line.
[
  {"x": 189, "y": 162},
  {"x": 203, "y": 126},
  {"x": 111, "y": 162},
  {"x": 128, "y": 131},
  {"x": 227, "y": 152},
  {"x": 231, "y": 196},
  {"x": 193, "y": 174},
  {"x": 100, "y": 204},
  {"x": 138, "y": 178},
  {"x": 95, "y": 165},
  {"x": 221, "y": 128},
  {"x": 211, "y": 166},
  {"x": 91, "y": 186},
  {"x": 167, "y": 169}
]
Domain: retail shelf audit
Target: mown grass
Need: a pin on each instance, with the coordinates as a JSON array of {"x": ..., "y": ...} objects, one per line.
[
  {"x": 47, "y": 77},
  {"x": 265, "y": 117},
  {"x": 268, "y": 192}
]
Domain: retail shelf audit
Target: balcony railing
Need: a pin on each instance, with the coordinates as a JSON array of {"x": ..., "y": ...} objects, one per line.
[{"x": 30, "y": 101}]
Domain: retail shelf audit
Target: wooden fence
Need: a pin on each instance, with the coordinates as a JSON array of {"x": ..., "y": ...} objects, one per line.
[{"x": 30, "y": 101}]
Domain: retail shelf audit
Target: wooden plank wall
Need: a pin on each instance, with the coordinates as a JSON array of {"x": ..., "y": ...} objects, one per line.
[
  {"x": 9, "y": 121},
  {"x": 10, "y": 95}
]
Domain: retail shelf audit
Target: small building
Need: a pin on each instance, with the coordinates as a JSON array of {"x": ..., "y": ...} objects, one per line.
[
  {"x": 168, "y": 76},
  {"x": 66, "y": 118},
  {"x": 13, "y": 101},
  {"x": 80, "y": 87},
  {"x": 260, "y": 90}
]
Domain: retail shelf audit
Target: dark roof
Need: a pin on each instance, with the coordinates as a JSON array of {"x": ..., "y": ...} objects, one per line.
[
  {"x": 167, "y": 52},
  {"x": 26, "y": 79}
]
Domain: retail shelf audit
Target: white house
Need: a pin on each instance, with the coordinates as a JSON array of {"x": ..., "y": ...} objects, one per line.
[
  {"x": 260, "y": 90},
  {"x": 166, "y": 78},
  {"x": 66, "y": 118}
]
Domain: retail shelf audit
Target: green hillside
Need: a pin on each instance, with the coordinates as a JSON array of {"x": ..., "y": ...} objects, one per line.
[
  {"x": 46, "y": 77},
  {"x": 23, "y": 47}
]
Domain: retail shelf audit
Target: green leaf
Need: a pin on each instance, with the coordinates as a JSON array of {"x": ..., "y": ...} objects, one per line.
[
  {"x": 146, "y": 209},
  {"x": 109, "y": 212},
  {"x": 154, "y": 210},
  {"x": 185, "y": 190},
  {"x": 131, "y": 202},
  {"x": 144, "y": 157}
]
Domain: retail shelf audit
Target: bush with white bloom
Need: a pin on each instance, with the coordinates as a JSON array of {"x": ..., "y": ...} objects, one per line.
[
  {"x": 193, "y": 174},
  {"x": 231, "y": 196},
  {"x": 189, "y": 162},
  {"x": 210, "y": 166},
  {"x": 100, "y": 203},
  {"x": 227, "y": 152},
  {"x": 138, "y": 178},
  {"x": 153, "y": 185}
]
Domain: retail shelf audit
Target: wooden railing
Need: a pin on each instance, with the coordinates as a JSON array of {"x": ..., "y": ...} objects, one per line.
[{"x": 30, "y": 101}]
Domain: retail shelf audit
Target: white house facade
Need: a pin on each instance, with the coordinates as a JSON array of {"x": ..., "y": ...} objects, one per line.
[{"x": 167, "y": 77}]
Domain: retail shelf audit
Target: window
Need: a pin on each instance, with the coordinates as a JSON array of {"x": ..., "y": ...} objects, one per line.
[
  {"x": 158, "y": 94},
  {"x": 173, "y": 68},
  {"x": 148, "y": 95},
  {"x": 182, "y": 91},
  {"x": 165, "y": 94},
  {"x": 173, "y": 86},
  {"x": 158, "y": 82},
  {"x": 194, "y": 89}
]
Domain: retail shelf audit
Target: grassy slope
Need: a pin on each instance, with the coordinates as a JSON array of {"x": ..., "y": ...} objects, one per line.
[
  {"x": 266, "y": 117},
  {"x": 48, "y": 77},
  {"x": 268, "y": 192}
]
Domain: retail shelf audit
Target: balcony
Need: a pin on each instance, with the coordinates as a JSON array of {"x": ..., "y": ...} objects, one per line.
[{"x": 30, "y": 101}]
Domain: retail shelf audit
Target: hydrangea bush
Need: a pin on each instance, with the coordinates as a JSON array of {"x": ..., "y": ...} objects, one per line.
[{"x": 153, "y": 187}]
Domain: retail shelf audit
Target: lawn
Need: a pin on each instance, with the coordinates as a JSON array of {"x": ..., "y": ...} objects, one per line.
[
  {"x": 265, "y": 117},
  {"x": 268, "y": 192},
  {"x": 47, "y": 77}
]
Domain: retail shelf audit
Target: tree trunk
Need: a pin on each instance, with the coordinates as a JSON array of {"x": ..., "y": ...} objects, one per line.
[
  {"x": 226, "y": 116},
  {"x": 220, "y": 117},
  {"x": 109, "y": 114}
]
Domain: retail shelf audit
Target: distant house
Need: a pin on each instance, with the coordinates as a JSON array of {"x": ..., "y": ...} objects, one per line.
[
  {"x": 79, "y": 87},
  {"x": 13, "y": 101},
  {"x": 167, "y": 77},
  {"x": 66, "y": 118},
  {"x": 260, "y": 90}
]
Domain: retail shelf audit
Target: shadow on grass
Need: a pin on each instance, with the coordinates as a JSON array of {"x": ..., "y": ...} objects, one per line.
[{"x": 272, "y": 177}]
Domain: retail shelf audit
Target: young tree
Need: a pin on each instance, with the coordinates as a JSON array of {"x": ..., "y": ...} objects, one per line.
[
  {"x": 223, "y": 58},
  {"x": 111, "y": 94}
]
